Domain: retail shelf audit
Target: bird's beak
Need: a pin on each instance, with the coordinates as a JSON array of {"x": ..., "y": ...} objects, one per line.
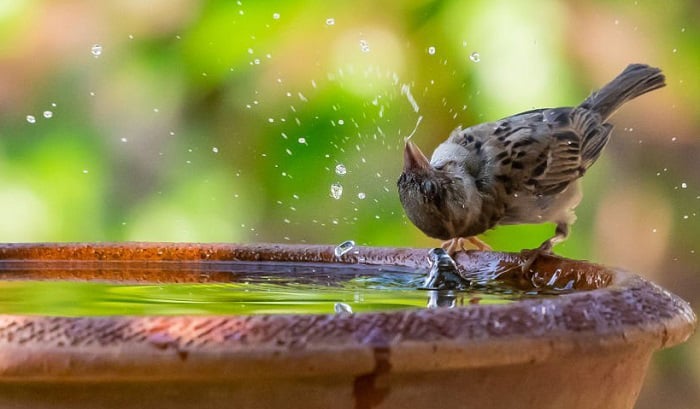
[{"x": 413, "y": 158}]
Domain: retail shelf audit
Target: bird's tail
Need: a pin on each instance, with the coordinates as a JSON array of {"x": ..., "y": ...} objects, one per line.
[{"x": 635, "y": 80}]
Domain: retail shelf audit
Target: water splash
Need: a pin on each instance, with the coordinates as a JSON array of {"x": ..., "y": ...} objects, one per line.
[
  {"x": 343, "y": 248},
  {"x": 415, "y": 128},
  {"x": 96, "y": 50},
  {"x": 364, "y": 46},
  {"x": 342, "y": 308},
  {"x": 406, "y": 90},
  {"x": 443, "y": 274},
  {"x": 336, "y": 191}
]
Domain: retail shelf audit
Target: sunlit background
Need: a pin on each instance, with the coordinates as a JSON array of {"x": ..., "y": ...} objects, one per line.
[{"x": 260, "y": 121}]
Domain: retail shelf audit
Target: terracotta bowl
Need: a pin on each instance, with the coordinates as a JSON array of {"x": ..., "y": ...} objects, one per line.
[{"x": 587, "y": 349}]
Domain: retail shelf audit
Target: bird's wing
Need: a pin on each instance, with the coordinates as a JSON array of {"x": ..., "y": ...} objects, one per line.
[{"x": 540, "y": 151}]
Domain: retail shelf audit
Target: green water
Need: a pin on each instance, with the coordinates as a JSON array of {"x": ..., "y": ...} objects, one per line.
[
  {"x": 256, "y": 295},
  {"x": 241, "y": 288}
]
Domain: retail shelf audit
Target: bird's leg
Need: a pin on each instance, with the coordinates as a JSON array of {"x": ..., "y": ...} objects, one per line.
[
  {"x": 560, "y": 234},
  {"x": 480, "y": 244},
  {"x": 453, "y": 246},
  {"x": 456, "y": 245}
]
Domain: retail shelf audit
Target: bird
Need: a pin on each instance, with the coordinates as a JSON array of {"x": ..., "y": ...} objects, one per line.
[{"x": 522, "y": 169}]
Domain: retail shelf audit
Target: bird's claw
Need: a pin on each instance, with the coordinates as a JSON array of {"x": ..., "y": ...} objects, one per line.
[
  {"x": 532, "y": 255},
  {"x": 454, "y": 246}
]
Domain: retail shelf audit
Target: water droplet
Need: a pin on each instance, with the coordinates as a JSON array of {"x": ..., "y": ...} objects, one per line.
[
  {"x": 342, "y": 308},
  {"x": 341, "y": 122},
  {"x": 675, "y": 50},
  {"x": 215, "y": 149},
  {"x": 276, "y": 16},
  {"x": 301, "y": 140},
  {"x": 431, "y": 50},
  {"x": 364, "y": 46},
  {"x": 48, "y": 114},
  {"x": 684, "y": 185},
  {"x": 475, "y": 57},
  {"x": 361, "y": 196},
  {"x": 31, "y": 119},
  {"x": 340, "y": 169},
  {"x": 124, "y": 140},
  {"x": 96, "y": 50},
  {"x": 336, "y": 191},
  {"x": 85, "y": 171},
  {"x": 673, "y": 139},
  {"x": 53, "y": 104},
  {"x": 330, "y": 21},
  {"x": 343, "y": 248}
]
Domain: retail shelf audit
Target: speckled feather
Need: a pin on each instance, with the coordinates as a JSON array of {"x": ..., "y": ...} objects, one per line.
[{"x": 520, "y": 169}]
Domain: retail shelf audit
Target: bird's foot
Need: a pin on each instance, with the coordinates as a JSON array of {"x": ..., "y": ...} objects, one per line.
[
  {"x": 532, "y": 255},
  {"x": 454, "y": 246}
]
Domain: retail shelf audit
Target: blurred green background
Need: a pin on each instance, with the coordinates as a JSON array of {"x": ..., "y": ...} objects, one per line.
[{"x": 203, "y": 121}]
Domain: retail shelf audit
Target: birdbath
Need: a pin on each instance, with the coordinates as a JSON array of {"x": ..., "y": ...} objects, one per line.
[{"x": 587, "y": 347}]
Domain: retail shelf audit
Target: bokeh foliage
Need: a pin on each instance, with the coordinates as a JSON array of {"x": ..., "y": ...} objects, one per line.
[{"x": 224, "y": 120}]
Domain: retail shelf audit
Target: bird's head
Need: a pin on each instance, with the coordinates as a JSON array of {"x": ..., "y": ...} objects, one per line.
[{"x": 433, "y": 197}]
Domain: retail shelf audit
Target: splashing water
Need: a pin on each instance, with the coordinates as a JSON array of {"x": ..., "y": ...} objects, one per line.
[
  {"x": 364, "y": 46},
  {"x": 336, "y": 191},
  {"x": 342, "y": 308},
  {"x": 406, "y": 90},
  {"x": 96, "y": 50},
  {"x": 343, "y": 248},
  {"x": 420, "y": 118}
]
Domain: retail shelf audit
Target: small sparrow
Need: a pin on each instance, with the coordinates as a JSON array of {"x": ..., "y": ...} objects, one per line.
[{"x": 521, "y": 169}]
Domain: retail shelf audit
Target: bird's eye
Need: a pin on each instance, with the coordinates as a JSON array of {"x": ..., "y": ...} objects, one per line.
[{"x": 428, "y": 187}]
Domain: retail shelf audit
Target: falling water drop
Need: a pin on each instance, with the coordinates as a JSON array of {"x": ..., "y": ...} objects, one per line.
[
  {"x": 330, "y": 21},
  {"x": 343, "y": 248},
  {"x": 48, "y": 114},
  {"x": 342, "y": 308},
  {"x": 364, "y": 46},
  {"x": 336, "y": 191},
  {"x": 96, "y": 50},
  {"x": 31, "y": 119},
  {"x": 431, "y": 50},
  {"x": 361, "y": 195}
]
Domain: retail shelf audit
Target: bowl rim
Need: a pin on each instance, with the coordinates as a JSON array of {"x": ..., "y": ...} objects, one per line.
[{"x": 629, "y": 313}]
